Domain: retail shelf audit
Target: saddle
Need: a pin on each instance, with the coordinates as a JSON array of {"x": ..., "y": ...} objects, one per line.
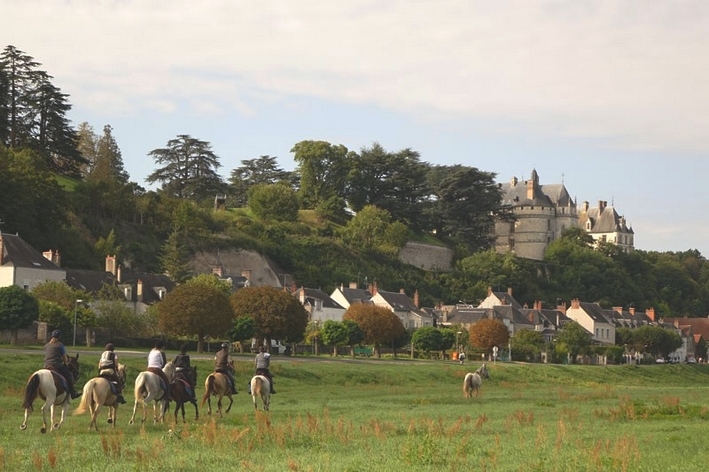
[
  {"x": 184, "y": 382},
  {"x": 59, "y": 380}
]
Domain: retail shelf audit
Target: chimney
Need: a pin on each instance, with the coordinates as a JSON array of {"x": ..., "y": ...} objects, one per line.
[
  {"x": 489, "y": 290},
  {"x": 353, "y": 285},
  {"x": 2, "y": 250},
  {"x": 375, "y": 289},
  {"x": 218, "y": 270},
  {"x": 561, "y": 307},
  {"x": 56, "y": 258},
  {"x": 246, "y": 274},
  {"x": 585, "y": 206},
  {"x": 632, "y": 310},
  {"x": 302, "y": 295},
  {"x": 111, "y": 264},
  {"x": 118, "y": 274},
  {"x": 445, "y": 315},
  {"x": 509, "y": 291},
  {"x": 416, "y": 298},
  {"x": 618, "y": 309},
  {"x": 402, "y": 291},
  {"x": 530, "y": 189},
  {"x": 513, "y": 181},
  {"x": 139, "y": 290},
  {"x": 293, "y": 287},
  {"x": 650, "y": 312},
  {"x": 575, "y": 304},
  {"x": 602, "y": 205}
]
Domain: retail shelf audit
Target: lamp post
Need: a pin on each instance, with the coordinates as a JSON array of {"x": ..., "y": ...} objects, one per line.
[{"x": 76, "y": 306}]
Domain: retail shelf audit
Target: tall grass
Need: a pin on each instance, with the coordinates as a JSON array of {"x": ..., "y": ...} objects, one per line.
[{"x": 372, "y": 415}]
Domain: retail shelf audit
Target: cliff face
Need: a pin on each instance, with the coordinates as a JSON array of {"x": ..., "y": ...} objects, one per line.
[{"x": 426, "y": 256}]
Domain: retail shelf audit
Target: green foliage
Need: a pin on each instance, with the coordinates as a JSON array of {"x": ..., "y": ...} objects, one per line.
[
  {"x": 196, "y": 309},
  {"x": 175, "y": 257},
  {"x": 59, "y": 293},
  {"x": 115, "y": 316},
  {"x": 427, "y": 339},
  {"x": 334, "y": 334},
  {"x": 276, "y": 202},
  {"x": 323, "y": 169},
  {"x": 656, "y": 340},
  {"x": 212, "y": 281},
  {"x": 244, "y": 329},
  {"x": 575, "y": 338},
  {"x": 276, "y": 313},
  {"x": 55, "y": 316},
  {"x": 18, "y": 309}
]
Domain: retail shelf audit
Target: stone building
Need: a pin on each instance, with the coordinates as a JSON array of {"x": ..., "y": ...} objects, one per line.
[{"x": 605, "y": 225}]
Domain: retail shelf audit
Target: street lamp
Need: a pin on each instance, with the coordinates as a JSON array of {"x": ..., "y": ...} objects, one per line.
[
  {"x": 457, "y": 342},
  {"x": 76, "y": 305}
]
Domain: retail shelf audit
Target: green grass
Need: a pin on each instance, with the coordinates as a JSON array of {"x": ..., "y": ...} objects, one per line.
[{"x": 369, "y": 415}]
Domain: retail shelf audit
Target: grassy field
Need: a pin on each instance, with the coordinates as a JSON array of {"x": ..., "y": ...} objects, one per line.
[{"x": 385, "y": 416}]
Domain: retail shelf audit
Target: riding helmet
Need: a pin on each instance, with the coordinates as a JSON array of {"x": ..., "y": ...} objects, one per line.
[
  {"x": 225, "y": 345},
  {"x": 56, "y": 334},
  {"x": 109, "y": 347},
  {"x": 183, "y": 349}
]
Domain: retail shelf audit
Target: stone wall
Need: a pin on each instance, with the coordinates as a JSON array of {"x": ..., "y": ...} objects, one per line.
[{"x": 426, "y": 256}]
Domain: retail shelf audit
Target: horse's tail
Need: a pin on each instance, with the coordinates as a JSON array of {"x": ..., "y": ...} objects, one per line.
[
  {"x": 209, "y": 388},
  {"x": 257, "y": 387},
  {"x": 467, "y": 385},
  {"x": 86, "y": 399},
  {"x": 31, "y": 391}
]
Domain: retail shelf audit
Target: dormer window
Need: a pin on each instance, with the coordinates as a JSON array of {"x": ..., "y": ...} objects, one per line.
[{"x": 128, "y": 293}]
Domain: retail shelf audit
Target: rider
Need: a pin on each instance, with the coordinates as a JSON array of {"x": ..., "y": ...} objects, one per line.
[
  {"x": 263, "y": 362},
  {"x": 56, "y": 359},
  {"x": 222, "y": 364},
  {"x": 156, "y": 361},
  {"x": 183, "y": 368},
  {"x": 108, "y": 369}
]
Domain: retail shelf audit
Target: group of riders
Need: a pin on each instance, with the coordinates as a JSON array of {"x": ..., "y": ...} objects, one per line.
[{"x": 56, "y": 359}]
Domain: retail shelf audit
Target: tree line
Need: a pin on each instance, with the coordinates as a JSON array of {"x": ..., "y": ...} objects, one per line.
[{"x": 339, "y": 216}]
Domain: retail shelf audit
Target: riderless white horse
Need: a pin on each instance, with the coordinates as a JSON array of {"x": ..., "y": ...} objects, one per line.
[
  {"x": 261, "y": 387},
  {"x": 150, "y": 387},
  {"x": 47, "y": 385},
  {"x": 473, "y": 381}
]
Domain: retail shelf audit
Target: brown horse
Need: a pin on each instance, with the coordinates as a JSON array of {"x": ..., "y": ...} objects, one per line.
[
  {"x": 98, "y": 393},
  {"x": 46, "y": 384},
  {"x": 178, "y": 392},
  {"x": 217, "y": 384}
]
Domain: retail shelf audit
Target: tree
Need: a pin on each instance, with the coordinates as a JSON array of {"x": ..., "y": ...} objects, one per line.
[
  {"x": 174, "y": 258},
  {"x": 334, "y": 334},
  {"x": 196, "y": 309},
  {"x": 18, "y": 309},
  {"x": 55, "y": 316},
  {"x": 243, "y": 330},
  {"x": 371, "y": 229},
  {"x": 355, "y": 335},
  {"x": 276, "y": 313},
  {"x": 189, "y": 169},
  {"x": 658, "y": 341},
  {"x": 380, "y": 325},
  {"x": 527, "y": 345},
  {"x": 108, "y": 161},
  {"x": 323, "y": 169},
  {"x": 277, "y": 202},
  {"x": 59, "y": 292},
  {"x": 263, "y": 170},
  {"x": 210, "y": 279},
  {"x": 427, "y": 339},
  {"x": 575, "y": 337},
  {"x": 487, "y": 333}
]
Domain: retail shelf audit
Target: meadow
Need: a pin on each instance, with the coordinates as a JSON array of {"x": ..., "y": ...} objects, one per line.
[{"x": 371, "y": 415}]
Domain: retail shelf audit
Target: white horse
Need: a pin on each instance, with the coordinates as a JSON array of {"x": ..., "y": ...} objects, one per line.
[
  {"x": 473, "y": 381},
  {"x": 47, "y": 385},
  {"x": 261, "y": 387},
  {"x": 150, "y": 387},
  {"x": 97, "y": 392}
]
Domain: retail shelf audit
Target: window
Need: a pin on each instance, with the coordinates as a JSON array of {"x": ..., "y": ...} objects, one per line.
[{"x": 318, "y": 305}]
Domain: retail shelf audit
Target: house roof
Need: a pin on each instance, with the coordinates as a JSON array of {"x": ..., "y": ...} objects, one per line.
[
  {"x": 88, "y": 280},
  {"x": 466, "y": 315},
  {"x": 699, "y": 325},
  {"x": 153, "y": 284},
  {"x": 18, "y": 253},
  {"x": 511, "y": 313},
  {"x": 603, "y": 220},
  {"x": 507, "y": 299},
  {"x": 312, "y": 294},
  {"x": 595, "y": 311},
  {"x": 548, "y": 317},
  {"x": 354, "y": 295},
  {"x": 398, "y": 301}
]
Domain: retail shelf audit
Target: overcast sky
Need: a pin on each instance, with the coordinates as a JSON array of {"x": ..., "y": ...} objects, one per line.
[{"x": 610, "y": 97}]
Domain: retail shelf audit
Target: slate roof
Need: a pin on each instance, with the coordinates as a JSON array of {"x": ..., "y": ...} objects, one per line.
[
  {"x": 398, "y": 301},
  {"x": 152, "y": 285},
  {"x": 595, "y": 312},
  {"x": 510, "y": 313},
  {"x": 507, "y": 299},
  {"x": 312, "y": 294},
  {"x": 355, "y": 295},
  {"x": 466, "y": 315},
  {"x": 18, "y": 253},
  {"x": 549, "y": 318},
  {"x": 603, "y": 220},
  {"x": 88, "y": 280}
]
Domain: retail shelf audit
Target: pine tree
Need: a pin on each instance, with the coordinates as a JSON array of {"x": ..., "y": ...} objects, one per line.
[
  {"x": 174, "y": 258},
  {"x": 108, "y": 165}
]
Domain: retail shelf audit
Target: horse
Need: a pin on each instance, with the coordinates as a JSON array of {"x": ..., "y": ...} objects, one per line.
[
  {"x": 149, "y": 387},
  {"x": 47, "y": 385},
  {"x": 97, "y": 393},
  {"x": 473, "y": 381},
  {"x": 217, "y": 384},
  {"x": 178, "y": 393},
  {"x": 261, "y": 387}
]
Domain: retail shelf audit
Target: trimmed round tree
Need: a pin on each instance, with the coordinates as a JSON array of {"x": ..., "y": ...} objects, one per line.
[
  {"x": 18, "y": 309},
  {"x": 276, "y": 313},
  {"x": 380, "y": 325},
  {"x": 196, "y": 309},
  {"x": 486, "y": 334}
]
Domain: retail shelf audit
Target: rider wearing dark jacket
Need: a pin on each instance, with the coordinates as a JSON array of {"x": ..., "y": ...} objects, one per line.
[
  {"x": 183, "y": 368},
  {"x": 222, "y": 364},
  {"x": 55, "y": 358},
  {"x": 263, "y": 362}
]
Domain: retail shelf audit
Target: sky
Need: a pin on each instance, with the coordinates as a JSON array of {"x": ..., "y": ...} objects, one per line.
[{"x": 609, "y": 97}]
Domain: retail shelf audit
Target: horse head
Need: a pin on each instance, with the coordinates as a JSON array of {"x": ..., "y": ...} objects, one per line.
[
  {"x": 73, "y": 366},
  {"x": 483, "y": 372}
]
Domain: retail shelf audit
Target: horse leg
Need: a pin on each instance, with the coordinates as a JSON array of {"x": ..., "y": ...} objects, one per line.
[
  {"x": 23, "y": 426},
  {"x": 65, "y": 409},
  {"x": 231, "y": 402},
  {"x": 45, "y": 407}
]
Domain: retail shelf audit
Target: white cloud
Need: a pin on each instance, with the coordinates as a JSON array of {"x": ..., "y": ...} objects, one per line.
[{"x": 633, "y": 73}]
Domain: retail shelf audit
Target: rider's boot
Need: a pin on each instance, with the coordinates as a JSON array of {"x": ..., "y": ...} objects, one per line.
[
  {"x": 120, "y": 398},
  {"x": 75, "y": 394}
]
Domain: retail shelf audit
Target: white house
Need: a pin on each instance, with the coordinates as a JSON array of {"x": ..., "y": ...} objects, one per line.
[{"x": 24, "y": 266}]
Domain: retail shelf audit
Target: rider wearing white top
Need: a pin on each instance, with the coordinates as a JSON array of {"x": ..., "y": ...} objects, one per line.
[{"x": 156, "y": 361}]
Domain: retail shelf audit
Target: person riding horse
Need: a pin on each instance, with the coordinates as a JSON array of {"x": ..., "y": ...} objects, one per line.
[
  {"x": 223, "y": 363},
  {"x": 183, "y": 368},
  {"x": 56, "y": 359},
  {"x": 263, "y": 362},
  {"x": 156, "y": 361},
  {"x": 108, "y": 369}
]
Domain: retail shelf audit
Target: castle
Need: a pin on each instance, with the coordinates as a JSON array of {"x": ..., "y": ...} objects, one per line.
[{"x": 543, "y": 212}]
